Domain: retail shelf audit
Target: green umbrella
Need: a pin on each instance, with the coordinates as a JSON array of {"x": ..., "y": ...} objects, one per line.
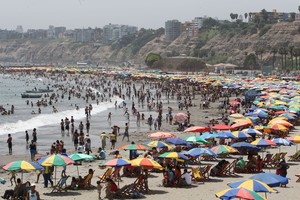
[{"x": 195, "y": 139}]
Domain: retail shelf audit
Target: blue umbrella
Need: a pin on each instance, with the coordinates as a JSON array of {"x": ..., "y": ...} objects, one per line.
[
  {"x": 225, "y": 135},
  {"x": 244, "y": 145},
  {"x": 177, "y": 141},
  {"x": 195, "y": 152},
  {"x": 282, "y": 142},
  {"x": 271, "y": 180},
  {"x": 289, "y": 117},
  {"x": 208, "y": 136}
]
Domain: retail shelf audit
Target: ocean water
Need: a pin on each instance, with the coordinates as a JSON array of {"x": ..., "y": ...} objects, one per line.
[{"x": 10, "y": 91}]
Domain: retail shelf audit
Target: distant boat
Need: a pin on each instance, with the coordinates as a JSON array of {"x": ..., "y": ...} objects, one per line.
[
  {"x": 31, "y": 95},
  {"x": 39, "y": 91}
]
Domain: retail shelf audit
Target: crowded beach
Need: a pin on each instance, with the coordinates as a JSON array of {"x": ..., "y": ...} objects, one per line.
[{"x": 194, "y": 136}]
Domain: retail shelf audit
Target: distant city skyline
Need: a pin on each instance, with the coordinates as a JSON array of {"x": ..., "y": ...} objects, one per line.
[{"x": 39, "y": 14}]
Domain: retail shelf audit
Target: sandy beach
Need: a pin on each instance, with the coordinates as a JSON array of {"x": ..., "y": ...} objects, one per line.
[{"x": 202, "y": 191}]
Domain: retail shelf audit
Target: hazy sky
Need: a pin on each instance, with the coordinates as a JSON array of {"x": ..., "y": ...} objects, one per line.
[{"x": 141, "y": 13}]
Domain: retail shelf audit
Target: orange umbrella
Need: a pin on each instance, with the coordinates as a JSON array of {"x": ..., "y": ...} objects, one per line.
[
  {"x": 240, "y": 124},
  {"x": 161, "y": 135},
  {"x": 282, "y": 122},
  {"x": 279, "y": 127},
  {"x": 133, "y": 147}
]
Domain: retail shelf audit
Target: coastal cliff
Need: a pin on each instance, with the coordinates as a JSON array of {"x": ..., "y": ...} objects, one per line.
[{"x": 210, "y": 45}]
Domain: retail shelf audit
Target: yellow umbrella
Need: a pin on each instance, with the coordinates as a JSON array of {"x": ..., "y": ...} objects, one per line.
[
  {"x": 279, "y": 127},
  {"x": 146, "y": 163},
  {"x": 277, "y": 118},
  {"x": 282, "y": 122},
  {"x": 245, "y": 119},
  {"x": 280, "y": 103}
]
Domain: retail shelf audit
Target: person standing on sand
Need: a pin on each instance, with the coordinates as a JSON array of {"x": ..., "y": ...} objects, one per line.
[
  {"x": 87, "y": 126},
  {"x": 32, "y": 148},
  {"x": 103, "y": 140},
  {"x": 109, "y": 117},
  {"x": 150, "y": 122},
  {"x": 126, "y": 133},
  {"x": 26, "y": 137},
  {"x": 62, "y": 126},
  {"x": 9, "y": 143},
  {"x": 34, "y": 135}
]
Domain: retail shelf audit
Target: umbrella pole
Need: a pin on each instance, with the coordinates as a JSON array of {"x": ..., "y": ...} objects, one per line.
[
  {"x": 22, "y": 176},
  {"x": 55, "y": 176},
  {"x": 77, "y": 170}
]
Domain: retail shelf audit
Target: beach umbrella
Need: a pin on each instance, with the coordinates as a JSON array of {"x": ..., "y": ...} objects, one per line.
[
  {"x": 263, "y": 143},
  {"x": 252, "y": 132},
  {"x": 289, "y": 117},
  {"x": 145, "y": 163},
  {"x": 117, "y": 162},
  {"x": 195, "y": 139},
  {"x": 241, "y": 193},
  {"x": 234, "y": 103},
  {"x": 158, "y": 144},
  {"x": 2, "y": 181},
  {"x": 80, "y": 157},
  {"x": 209, "y": 136},
  {"x": 240, "y": 125},
  {"x": 244, "y": 145},
  {"x": 254, "y": 185},
  {"x": 282, "y": 122},
  {"x": 196, "y": 129},
  {"x": 225, "y": 135},
  {"x": 161, "y": 135},
  {"x": 56, "y": 160},
  {"x": 278, "y": 127},
  {"x": 22, "y": 166},
  {"x": 180, "y": 117},
  {"x": 222, "y": 127},
  {"x": 177, "y": 141},
  {"x": 196, "y": 152},
  {"x": 295, "y": 139},
  {"x": 245, "y": 120},
  {"x": 241, "y": 135},
  {"x": 271, "y": 180},
  {"x": 223, "y": 149},
  {"x": 236, "y": 116},
  {"x": 173, "y": 155},
  {"x": 282, "y": 142},
  {"x": 133, "y": 147}
]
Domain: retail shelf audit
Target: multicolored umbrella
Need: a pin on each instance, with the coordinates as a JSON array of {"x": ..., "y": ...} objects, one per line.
[
  {"x": 295, "y": 139},
  {"x": 161, "y": 135},
  {"x": 241, "y": 193},
  {"x": 173, "y": 155},
  {"x": 22, "y": 166},
  {"x": 282, "y": 142},
  {"x": 133, "y": 147},
  {"x": 254, "y": 185},
  {"x": 196, "y": 129},
  {"x": 145, "y": 163},
  {"x": 55, "y": 160},
  {"x": 225, "y": 135},
  {"x": 196, "y": 152},
  {"x": 117, "y": 162},
  {"x": 251, "y": 131},
  {"x": 263, "y": 143},
  {"x": 223, "y": 149},
  {"x": 282, "y": 122},
  {"x": 222, "y": 127},
  {"x": 278, "y": 127},
  {"x": 240, "y": 125},
  {"x": 241, "y": 135},
  {"x": 195, "y": 139},
  {"x": 158, "y": 144},
  {"x": 271, "y": 180}
]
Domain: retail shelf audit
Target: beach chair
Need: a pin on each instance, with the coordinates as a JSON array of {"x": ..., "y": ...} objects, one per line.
[
  {"x": 106, "y": 174},
  {"x": 205, "y": 172},
  {"x": 22, "y": 192},
  {"x": 282, "y": 155},
  {"x": 116, "y": 174},
  {"x": 86, "y": 182},
  {"x": 295, "y": 157},
  {"x": 221, "y": 172},
  {"x": 275, "y": 160},
  {"x": 298, "y": 180},
  {"x": 196, "y": 176},
  {"x": 268, "y": 159},
  {"x": 229, "y": 170},
  {"x": 61, "y": 185},
  {"x": 208, "y": 158}
]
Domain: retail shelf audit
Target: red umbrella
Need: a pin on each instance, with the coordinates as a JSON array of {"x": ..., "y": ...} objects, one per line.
[
  {"x": 280, "y": 112},
  {"x": 196, "y": 129},
  {"x": 240, "y": 124},
  {"x": 234, "y": 103},
  {"x": 222, "y": 127}
]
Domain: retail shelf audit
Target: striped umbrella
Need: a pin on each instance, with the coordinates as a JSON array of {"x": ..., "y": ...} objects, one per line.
[
  {"x": 117, "y": 162},
  {"x": 254, "y": 185},
  {"x": 295, "y": 139},
  {"x": 270, "y": 179},
  {"x": 133, "y": 147},
  {"x": 241, "y": 193},
  {"x": 23, "y": 166},
  {"x": 55, "y": 160},
  {"x": 251, "y": 131},
  {"x": 173, "y": 155},
  {"x": 196, "y": 129},
  {"x": 146, "y": 163},
  {"x": 158, "y": 144},
  {"x": 263, "y": 143},
  {"x": 278, "y": 127},
  {"x": 241, "y": 135},
  {"x": 223, "y": 149}
]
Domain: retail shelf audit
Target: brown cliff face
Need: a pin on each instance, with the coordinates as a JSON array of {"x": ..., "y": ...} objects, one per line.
[{"x": 233, "y": 48}]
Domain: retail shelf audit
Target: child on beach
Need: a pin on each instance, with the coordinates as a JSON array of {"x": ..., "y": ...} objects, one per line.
[
  {"x": 13, "y": 177},
  {"x": 99, "y": 188}
]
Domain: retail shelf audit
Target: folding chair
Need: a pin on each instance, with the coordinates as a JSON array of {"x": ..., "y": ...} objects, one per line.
[{"x": 61, "y": 185}]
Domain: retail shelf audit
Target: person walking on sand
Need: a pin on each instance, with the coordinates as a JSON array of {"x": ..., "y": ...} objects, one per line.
[
  {"x": 150, "y": 122},
  {"x": 34, "y": 135},
  {"x": 26, "y": 137},
  {"x": 9, "y": 143},
  {"x": 109, "y": 117},
  {"x": 87, "y": 126},
  {"x": 126, "y": 133}
]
